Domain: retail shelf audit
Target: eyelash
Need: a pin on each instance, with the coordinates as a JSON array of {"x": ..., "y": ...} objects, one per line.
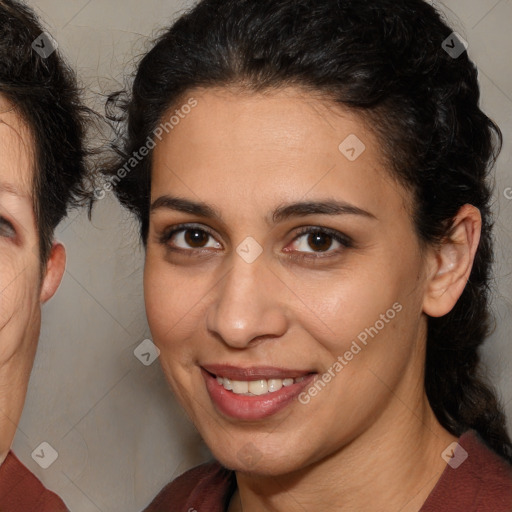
[{"x": 343, "y": 240}]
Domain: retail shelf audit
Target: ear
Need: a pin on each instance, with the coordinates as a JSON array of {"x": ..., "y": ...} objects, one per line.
[
  {"x": 55, "y": 267},
  {"x": 451, "y": 263}
]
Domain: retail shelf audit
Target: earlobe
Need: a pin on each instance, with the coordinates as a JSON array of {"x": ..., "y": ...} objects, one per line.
[
  {"x": 452, "y": 262},
  {"x": 55, "y": 267}
]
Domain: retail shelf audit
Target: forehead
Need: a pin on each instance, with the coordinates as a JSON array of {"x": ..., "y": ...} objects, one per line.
[
  {"x": 235, "y": 131},
  {"x": 16, "y": 152},
  {"x": 286, "y": 143}
]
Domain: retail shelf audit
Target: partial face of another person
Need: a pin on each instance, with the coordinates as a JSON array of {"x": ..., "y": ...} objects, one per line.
[
  {"x": 22, "y": 288},
  {"x": 277, "y": 258}
]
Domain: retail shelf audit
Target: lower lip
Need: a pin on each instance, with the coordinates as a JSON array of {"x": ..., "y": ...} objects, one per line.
[{"x": 249, "y": 408}]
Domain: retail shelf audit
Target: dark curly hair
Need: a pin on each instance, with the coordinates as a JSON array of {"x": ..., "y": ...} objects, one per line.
[
  {"x": 43, "y": 90},
  {"x": 386, "y": 61}
]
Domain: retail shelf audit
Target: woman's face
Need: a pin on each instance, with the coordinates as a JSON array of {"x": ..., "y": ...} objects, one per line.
[
  {"x": 284, "y": 281},
  {"x": 19, "y": 270}
]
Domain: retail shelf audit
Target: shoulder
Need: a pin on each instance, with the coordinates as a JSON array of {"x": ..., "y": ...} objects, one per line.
[
  {"x": 478, "y": 480},
  {"x": 207, "y": 487},
  {"x": 21, "y": 490}
]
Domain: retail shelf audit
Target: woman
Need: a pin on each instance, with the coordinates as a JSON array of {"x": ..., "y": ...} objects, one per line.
[
  {"x": 311, "y": 183},
  {"x": 42, "y": 124}
]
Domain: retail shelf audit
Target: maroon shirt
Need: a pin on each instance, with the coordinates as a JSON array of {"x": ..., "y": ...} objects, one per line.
[
  {"x": 482, "y": 483},
  {"x": 21, "y": 491}
]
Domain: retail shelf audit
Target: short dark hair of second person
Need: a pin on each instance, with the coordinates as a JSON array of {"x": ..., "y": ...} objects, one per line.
[{"x": 44, "y": 92}]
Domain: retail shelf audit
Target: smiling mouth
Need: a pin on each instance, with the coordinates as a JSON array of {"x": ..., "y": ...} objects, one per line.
[{"x": 253, "y": 393}]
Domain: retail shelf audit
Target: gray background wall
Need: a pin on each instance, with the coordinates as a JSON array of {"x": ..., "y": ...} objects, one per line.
[{"x": 117, "y": 430}]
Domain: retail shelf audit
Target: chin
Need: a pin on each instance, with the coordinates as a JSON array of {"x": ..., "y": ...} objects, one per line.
[{"x": 251, "y": 457}]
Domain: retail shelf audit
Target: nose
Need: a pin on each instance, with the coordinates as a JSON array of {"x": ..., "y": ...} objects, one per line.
[{"x": 247, "y": 307}]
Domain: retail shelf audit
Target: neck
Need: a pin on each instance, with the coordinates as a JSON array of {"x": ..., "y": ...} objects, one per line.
[{"x": 396, "y": 462}]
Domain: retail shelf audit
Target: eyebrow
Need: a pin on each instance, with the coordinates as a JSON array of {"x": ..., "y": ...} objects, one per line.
[{"x": 280, "y": 214}]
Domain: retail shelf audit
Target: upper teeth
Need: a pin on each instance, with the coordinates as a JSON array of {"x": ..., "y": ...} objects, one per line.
[{"x": 255, "y": 387}]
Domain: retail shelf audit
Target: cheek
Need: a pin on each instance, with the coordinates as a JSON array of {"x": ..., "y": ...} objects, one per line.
[
  {"x": 345, "y": 306},
  {"x": 372, "y": 338},
  {"x": 13, "y": 291},
  {"x": 18, "y": 297},
  {"x": 173, "y": 305},
  {"x": 364, "y": 321}
]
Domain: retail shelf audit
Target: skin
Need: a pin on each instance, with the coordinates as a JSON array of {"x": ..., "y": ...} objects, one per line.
[
  {"x": 371, "y": 427},
  {"x": 22, "y": 288}
]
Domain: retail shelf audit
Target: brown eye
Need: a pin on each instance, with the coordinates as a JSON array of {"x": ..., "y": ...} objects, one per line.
[
  {"x": 319, "y": 241},
  {"x": 196, "y": 237}
]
